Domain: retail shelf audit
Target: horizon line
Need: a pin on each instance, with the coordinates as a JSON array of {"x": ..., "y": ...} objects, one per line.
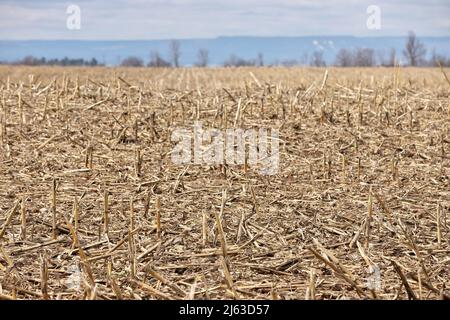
[{"x": 227, "y": 36}]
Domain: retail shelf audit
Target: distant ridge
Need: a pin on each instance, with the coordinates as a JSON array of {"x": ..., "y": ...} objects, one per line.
[{"x": 274, "y": 49}]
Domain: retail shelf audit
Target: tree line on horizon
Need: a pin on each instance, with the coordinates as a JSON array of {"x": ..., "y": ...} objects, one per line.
[
  {"x": 414, "y": 53},
  {"x": 33, "y": 61}
]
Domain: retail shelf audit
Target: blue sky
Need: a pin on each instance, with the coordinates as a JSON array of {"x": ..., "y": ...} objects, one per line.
[{"x": 165, "y": 19}]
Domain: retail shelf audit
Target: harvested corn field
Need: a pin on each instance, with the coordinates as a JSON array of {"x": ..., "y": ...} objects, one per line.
[{"x": 92, "y": 205}]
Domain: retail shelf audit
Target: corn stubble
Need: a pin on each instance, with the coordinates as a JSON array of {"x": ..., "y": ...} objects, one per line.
[{"x": 87, "y": 184}]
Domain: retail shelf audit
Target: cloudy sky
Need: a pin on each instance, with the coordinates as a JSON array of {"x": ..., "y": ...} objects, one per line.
[{"x": 165, "y": 19}]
